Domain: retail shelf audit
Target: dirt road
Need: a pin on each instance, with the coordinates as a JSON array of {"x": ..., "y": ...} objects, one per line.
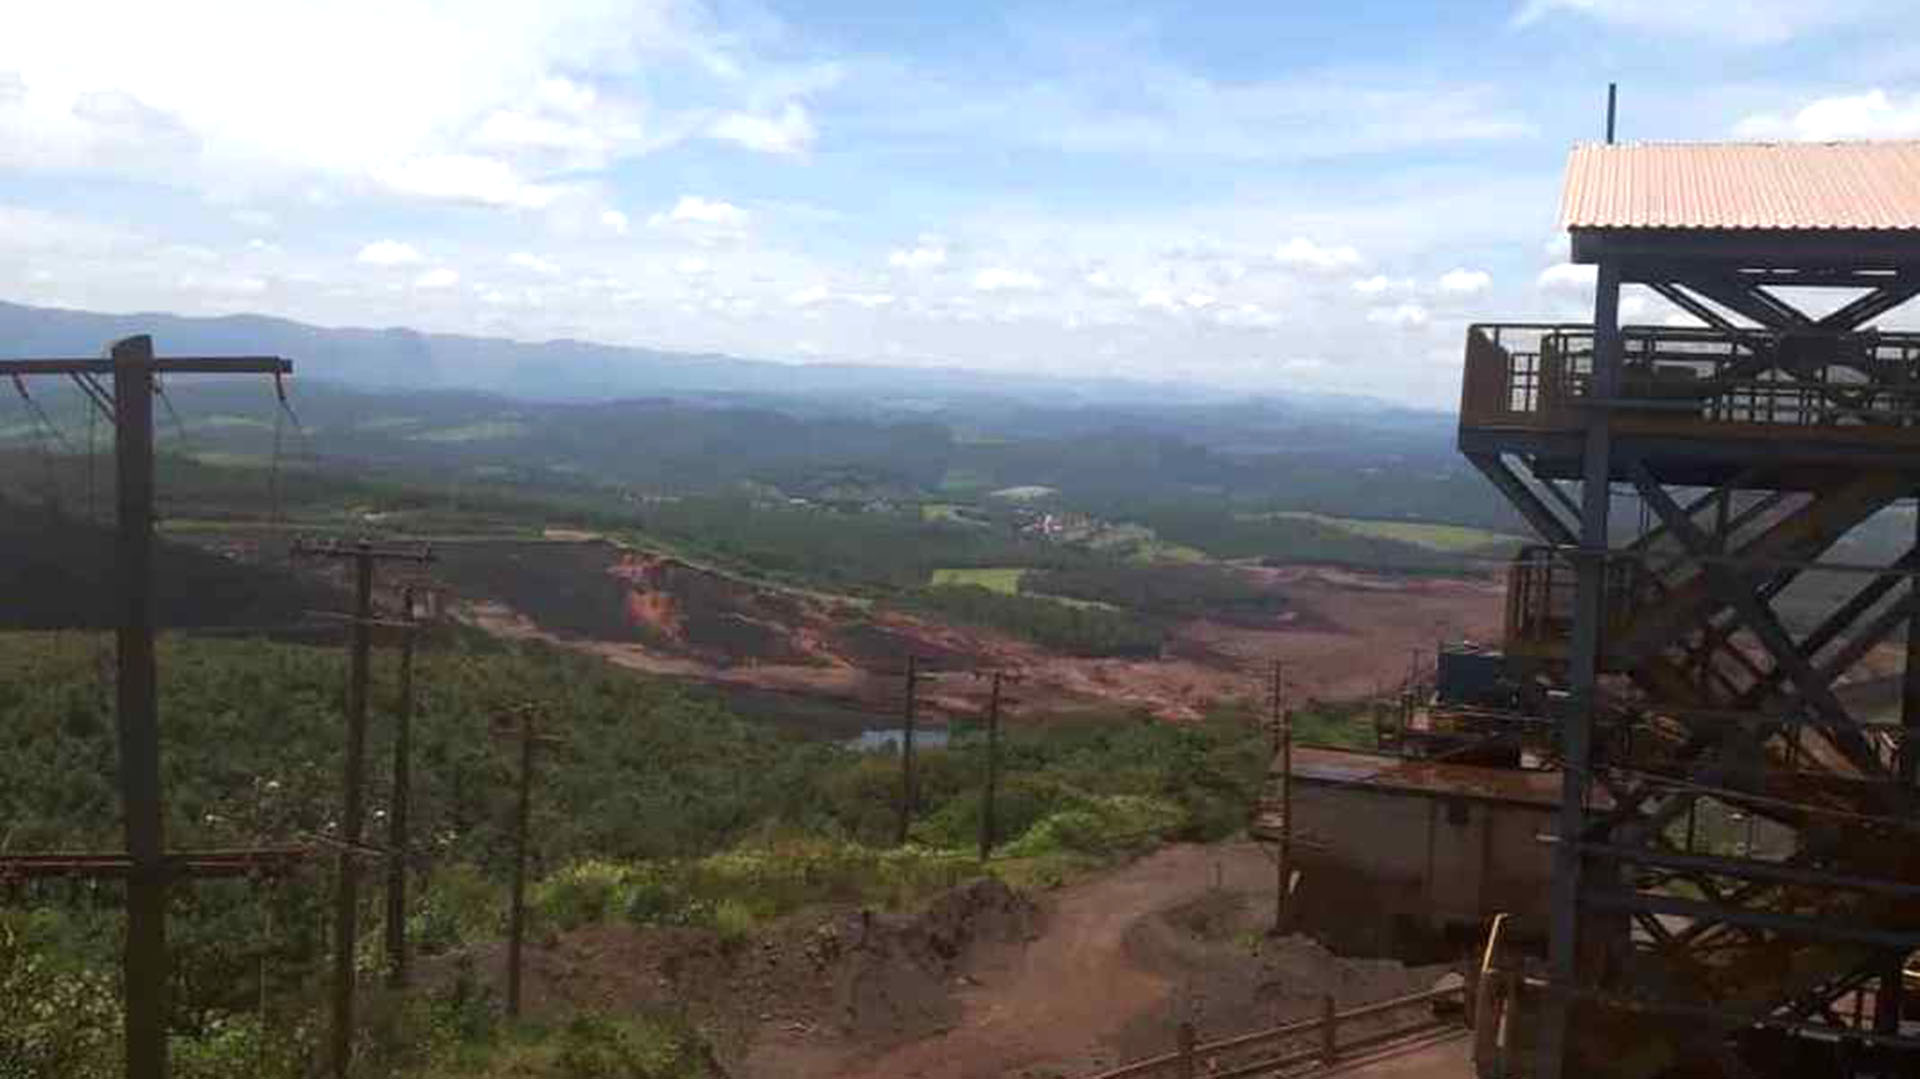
[{"x": 1063, "y": 1000}]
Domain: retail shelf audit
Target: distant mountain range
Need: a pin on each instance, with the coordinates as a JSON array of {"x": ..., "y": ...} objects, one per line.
[{"x": 565, "y": 370}]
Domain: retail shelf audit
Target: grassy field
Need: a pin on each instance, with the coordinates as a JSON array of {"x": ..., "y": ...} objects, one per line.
[
  {"x": 948, "y": 512},
  {"x": 1452, "y": 539},
  {"x": 1004, "y": 580},
  {"x": 485, "y": 431}
]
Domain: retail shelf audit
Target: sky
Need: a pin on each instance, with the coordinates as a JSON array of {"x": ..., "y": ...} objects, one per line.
[{"x": 1263, "y": 196}]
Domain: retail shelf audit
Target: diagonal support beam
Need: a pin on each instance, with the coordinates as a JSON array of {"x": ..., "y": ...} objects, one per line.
[
  {"x": 1871, "y": 306},
  {"x": 1685, "y": 301},
  {"x": 1552, "y": 487},
  {"x": 1837, "y": 623},
  {"x": 1541, "y": 516},
  {"x": 1760, "y": 619},
  {"x": 1748, "y": 299}
]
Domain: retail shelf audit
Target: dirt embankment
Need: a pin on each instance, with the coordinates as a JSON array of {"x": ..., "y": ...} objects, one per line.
[
  {"x": 1123, "y": 959},
  {"x": 1345, "y": 635},
  {"x": 983, "y": 983}
]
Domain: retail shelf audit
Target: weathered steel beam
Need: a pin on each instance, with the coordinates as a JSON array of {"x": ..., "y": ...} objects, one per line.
[
  {"x": 1538, "y": 514},
  {"x": 1771, "y": 921},
  {"x": 1752, "y": 869}
]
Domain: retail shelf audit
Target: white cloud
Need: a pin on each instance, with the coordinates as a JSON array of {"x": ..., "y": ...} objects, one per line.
[
  {"x": 1199, "y": 300},
  {"x": 1749, "y": 22},
  {"x": 691, "y": 266},
  {"x": 273, "y": 94},
  {"x": 1102, "y": 281},
  {"x": 528, "y": 261},
  {"x": 1465, "y": 282},
  {"x": 700, "y": 213},
  {"x": 1869, "y": 115},
  {"x": 811, "y": 296},
  {"x": 788, "y": 132},
  {"x": 389, "y": 253},
  {"x": 467, "y": 178},
  {"x": 1406, "y": 315},
  {"x": 437, "y": 279},
  {"x": 1307, "y": 254},
  {"x": 1247, "y": 316},
  {"x": 1379, "y": 283},
  {"x": 615, "y": 222},
  {"x": 870, "y": 300},
  {"x": 1002, "y": 279},
  {"x": 927, "y": 253},
  {"x": 1157, "y": 300},
  {"x": 1567, "y": 277}
]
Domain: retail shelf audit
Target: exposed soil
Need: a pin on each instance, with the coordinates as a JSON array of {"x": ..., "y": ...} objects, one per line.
[
  {"x": 1344, "y": 635},
  {"x": 1120, "y": 963},
  {"x": 983, "y": 982}
]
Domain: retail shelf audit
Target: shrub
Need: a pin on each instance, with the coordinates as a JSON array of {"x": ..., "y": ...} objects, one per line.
[
  {"x": 1107, "y": 825},
  {"x": 459, "y": 905},
  {"x": 650, "y": 1048},
  {"x": 580, "y": 894}
]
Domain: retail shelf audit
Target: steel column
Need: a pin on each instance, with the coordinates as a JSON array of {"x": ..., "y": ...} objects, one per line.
[{"x": 1583, "y": 670}]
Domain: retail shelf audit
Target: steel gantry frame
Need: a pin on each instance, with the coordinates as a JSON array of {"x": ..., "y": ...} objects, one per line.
[{"x": 1755, "y": 445}]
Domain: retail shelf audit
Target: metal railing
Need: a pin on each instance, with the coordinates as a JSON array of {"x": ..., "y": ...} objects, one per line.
[
  {"x": 1540, "y": 374},
  {"x": 1276, "y": 1048},
  {"x": 1541, "y": 583}
]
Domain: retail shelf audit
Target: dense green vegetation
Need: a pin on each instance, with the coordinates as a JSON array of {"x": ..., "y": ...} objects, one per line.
[
  {"x": 657, "y": 807},
  {"x": 1002, "y": 579},
  {"x": 861, "y": 549}
]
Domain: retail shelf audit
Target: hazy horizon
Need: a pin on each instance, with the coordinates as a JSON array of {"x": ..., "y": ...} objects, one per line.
[{"x": 1269, "y": 201}]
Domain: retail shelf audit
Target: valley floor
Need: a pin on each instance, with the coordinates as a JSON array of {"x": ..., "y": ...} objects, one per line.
[{"x": 1345, "y": 636}]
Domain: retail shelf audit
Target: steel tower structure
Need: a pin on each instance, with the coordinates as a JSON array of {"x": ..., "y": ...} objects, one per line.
[{"x": 1665, "y": 674}]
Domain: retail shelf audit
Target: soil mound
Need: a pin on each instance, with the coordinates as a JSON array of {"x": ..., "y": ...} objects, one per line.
[{"x": 898, "y": 980}]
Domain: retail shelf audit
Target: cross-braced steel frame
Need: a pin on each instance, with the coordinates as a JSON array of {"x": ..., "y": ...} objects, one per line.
[{"x": 1753, "y": 444}]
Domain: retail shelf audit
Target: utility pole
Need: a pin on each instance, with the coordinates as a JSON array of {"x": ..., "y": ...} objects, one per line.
[
  {"x": 1283, "y": 902},
  {"x": 987, "y": 823},
  {"x": 132, "y": 366},
  {"x": 397, "y": 837},
  {"x": 139, "y": 710},
  {"x": 346, "y": 899},
  {"x": 907, "y": 776},
  {"x": 1275, "y": 692},
  {"x": 528, "y": 734}
]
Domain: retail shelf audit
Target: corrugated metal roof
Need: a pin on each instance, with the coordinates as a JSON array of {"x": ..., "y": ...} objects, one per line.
[{"x": 1727, "y": 186}]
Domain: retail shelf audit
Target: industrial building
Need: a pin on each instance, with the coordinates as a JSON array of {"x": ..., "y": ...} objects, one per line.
[{"x": 1396, "y": 852}]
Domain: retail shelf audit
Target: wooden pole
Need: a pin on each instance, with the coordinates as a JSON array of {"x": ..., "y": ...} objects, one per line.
[
  {"x": 1185, "y": 1040},
  {"x": 397, "y": 837},
  {"x": 1329, "y": 1032},
  {"x": 987, "y": 823},
  {"x": 139, "y": 717},
  {"x": 517, "y": 917},
  {"x": 346, "y": 909},
  {"x": 907, "y": 777},
  {"x": 1283, "y": 903},
  {"x": 1273, "y": 704}
]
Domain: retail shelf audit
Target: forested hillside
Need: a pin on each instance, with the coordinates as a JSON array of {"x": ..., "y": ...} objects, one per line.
[{"x": 643, "y": 776}]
